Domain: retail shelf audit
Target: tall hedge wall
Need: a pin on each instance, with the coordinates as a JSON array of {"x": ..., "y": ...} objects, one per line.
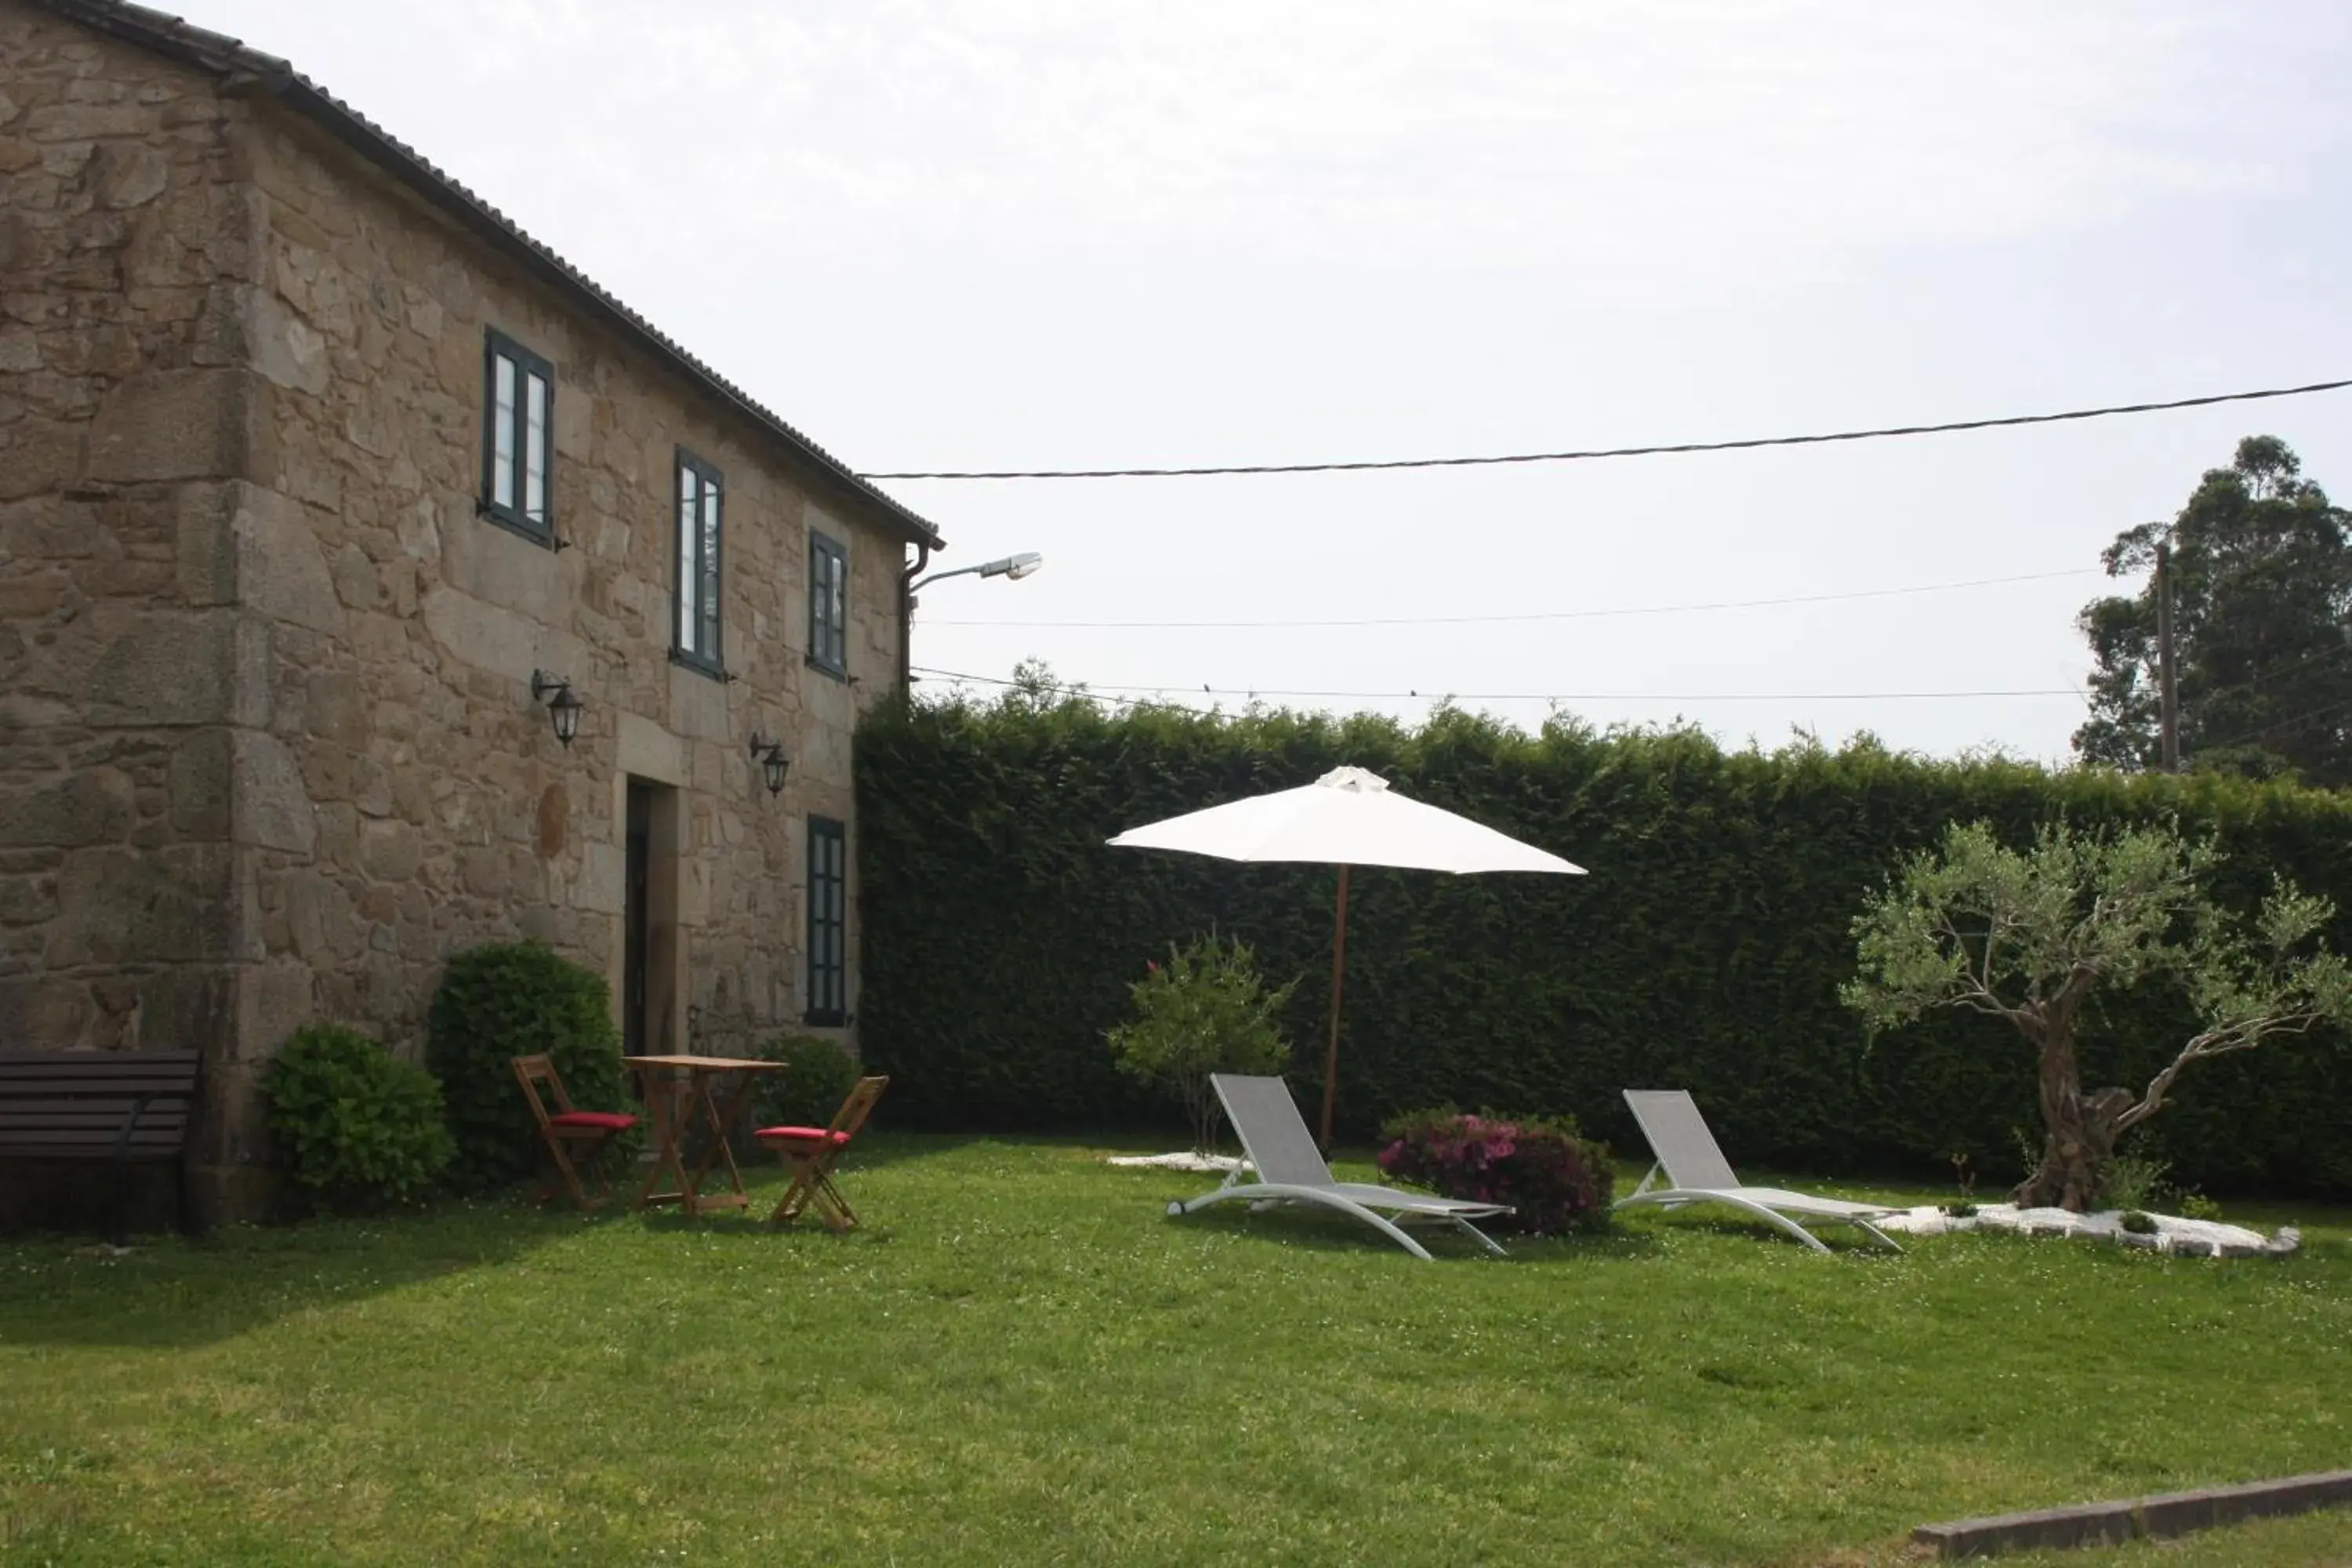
[{"x": 1703, "y": 951}]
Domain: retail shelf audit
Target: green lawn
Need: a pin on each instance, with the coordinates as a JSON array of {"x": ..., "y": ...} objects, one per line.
[{"x": 1020, "y": 1360}]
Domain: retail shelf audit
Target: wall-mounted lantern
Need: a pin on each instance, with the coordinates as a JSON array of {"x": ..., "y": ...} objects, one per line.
[
  {"x": 564, "y": 704},
  {"x": 774, "y": 764}
]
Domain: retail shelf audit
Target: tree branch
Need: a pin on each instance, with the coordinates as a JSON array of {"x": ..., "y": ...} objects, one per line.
[{"x": 2242, "y": 1035}]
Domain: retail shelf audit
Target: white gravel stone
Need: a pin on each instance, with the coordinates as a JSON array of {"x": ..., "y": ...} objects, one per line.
[
  {"x": 1203, "y": 1164},
  {"x": 2183, "y": 1237}
]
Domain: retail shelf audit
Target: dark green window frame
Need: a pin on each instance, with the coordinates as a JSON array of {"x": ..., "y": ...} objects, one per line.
[
  {"x": 518, "y": 439},
  {"x": 698, "y": 563},
  {"x": 828, "y": 604},
  {"x": 828, "y": 922}
]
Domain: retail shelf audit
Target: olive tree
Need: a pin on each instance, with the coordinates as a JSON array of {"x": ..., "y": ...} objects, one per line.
[{"x": 2029, "y": 936}]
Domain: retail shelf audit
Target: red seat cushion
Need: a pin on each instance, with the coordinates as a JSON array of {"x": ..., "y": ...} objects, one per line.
[
  {"x": 611, "y": 1121},
  {"x": 800, "y": 1135}
]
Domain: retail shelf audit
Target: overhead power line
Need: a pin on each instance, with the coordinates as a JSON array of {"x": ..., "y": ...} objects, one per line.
[
  {"x": 1436, "y": 694},
  {"x": 2007, "y": 421},
  {"x": 1544, "y": 615}
]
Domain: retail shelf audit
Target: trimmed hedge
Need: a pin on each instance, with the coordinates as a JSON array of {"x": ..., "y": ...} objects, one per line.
[
  {"x": 1703, "y": 951},
  {"x": 516, "y": 999}
]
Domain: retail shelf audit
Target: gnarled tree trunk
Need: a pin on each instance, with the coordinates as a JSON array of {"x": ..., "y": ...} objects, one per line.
[{"x": 2079, "y": 1130}]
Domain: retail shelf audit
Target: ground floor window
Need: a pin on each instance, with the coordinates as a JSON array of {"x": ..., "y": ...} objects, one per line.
[{"x": 828, "y": 924}]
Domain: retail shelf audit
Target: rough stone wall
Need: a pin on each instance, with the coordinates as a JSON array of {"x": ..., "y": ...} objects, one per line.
[
  {"x": 125, "y": 665},
  {"x": 405, "y": 628},
  {"x": 269, "y": 752}
]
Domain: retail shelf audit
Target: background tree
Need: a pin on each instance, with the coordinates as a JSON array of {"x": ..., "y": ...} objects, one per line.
[
  {"x": 2262, "y": 573},
  {"x": 2028, "y": 937}
]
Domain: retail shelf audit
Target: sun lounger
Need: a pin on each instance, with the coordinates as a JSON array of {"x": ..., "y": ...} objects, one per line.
[
  {"x": 1291, "y": 1171},
  {"x": 1697, "y": 1173}
]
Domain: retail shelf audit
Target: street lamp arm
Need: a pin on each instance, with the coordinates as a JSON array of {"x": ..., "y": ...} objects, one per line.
[
  {"x": 959, "y": 572},
  {"x": 1014, "y": 567}
]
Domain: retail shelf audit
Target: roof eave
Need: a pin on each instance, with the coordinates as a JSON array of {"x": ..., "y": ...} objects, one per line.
[{"x": 245, "y": 70}]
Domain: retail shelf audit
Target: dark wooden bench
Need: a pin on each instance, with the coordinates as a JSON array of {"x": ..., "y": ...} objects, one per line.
[{"x": 115, "y": 1105}]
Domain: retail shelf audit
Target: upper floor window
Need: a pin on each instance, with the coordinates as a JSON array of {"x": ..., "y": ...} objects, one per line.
[
  {"x": 518, "y": 437},
  {"x": 698, "y": 588},
  {"x": 828, "y": 604}
]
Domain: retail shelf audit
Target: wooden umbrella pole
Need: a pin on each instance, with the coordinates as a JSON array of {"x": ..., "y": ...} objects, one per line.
[{"x": 1339, "y": 976}]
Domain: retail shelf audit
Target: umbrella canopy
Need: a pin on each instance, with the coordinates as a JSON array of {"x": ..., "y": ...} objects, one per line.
[{"x": 1348, "y": 817}]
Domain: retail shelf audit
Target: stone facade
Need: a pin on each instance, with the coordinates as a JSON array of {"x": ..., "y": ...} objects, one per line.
[{"x": 267, "y": 747}]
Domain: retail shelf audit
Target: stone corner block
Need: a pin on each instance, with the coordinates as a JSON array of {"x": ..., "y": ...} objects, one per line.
[
  {"x": 269, "y": 805},
  {"x": 282, "y": 568},
  {"x": 172, "y": 424}
]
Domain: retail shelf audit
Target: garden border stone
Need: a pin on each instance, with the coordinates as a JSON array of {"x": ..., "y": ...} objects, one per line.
[{"x": 2150, "y": 1517}]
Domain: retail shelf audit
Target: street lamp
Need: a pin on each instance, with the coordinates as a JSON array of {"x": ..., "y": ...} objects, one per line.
[{"x": 1012, "y": 568}]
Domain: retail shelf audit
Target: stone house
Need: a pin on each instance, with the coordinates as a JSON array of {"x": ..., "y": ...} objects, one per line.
[{"x": 317, "y": 478}]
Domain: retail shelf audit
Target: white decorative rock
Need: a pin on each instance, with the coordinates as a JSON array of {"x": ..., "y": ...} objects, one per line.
[{"x": 2174, "y": 1235}]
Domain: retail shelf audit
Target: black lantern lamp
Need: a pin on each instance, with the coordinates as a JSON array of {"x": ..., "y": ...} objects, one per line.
[
  {"x": 564, "y": 704},
  {"x": 774, "y": 764}
]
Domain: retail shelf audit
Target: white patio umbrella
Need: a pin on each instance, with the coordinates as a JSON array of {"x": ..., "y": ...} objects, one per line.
[{"x": 1347, "y": 818}]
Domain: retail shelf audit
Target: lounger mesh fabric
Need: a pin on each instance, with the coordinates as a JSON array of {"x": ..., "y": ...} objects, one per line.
[
  {"x": 1272, "y": 1132},
  {"x": 1679, "y": 1137}
]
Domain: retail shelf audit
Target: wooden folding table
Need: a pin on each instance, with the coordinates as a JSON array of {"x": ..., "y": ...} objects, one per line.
[{"x": 675, "y": 1087}]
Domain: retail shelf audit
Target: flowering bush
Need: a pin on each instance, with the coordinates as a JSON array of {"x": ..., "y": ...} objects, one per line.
[
  {"x": 1556, "y": 1180},
  {"x": 1204, "y": 1010}
]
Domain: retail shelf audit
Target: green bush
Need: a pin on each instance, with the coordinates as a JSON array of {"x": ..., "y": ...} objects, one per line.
[
  {"x": 818, "y": 1077},
  {"x": 357, "y": 1127},
  {"x": 1204, "y": 1010},
  {"x": 510, "y": 1000},
  {"x": 2138, "y": 1222},
  {"x": 2131, "y": 1182},
  {"x": 1705, "y": 951}
]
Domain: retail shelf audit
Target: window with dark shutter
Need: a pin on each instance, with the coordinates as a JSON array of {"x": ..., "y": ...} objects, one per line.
[
  {"x": 698, "y": 591},
  {"x": 828, "y": 922},
  {"x": 828, "y": 605},
  {"x": 518, "y": 439}
]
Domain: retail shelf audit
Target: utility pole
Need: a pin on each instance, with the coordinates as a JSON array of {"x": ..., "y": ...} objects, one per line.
[{"x": 2167, "y": 694}]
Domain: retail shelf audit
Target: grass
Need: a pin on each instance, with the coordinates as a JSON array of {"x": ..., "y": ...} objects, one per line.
[{"x": 1021, "y": 1360}]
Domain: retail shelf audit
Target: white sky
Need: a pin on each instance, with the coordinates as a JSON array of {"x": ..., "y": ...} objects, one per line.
[{"x": 1028, "y": 234}]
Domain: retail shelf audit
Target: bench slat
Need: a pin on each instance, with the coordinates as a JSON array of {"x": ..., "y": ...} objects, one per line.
[
  {"x": 177, "y": 1055},
  {"x": 95, "y": 1135},
  {"x": 69, "y": 1112},
  {"x": 100, "y": 1061},
  {"x": 87, "y": 1150},
  {"x": 85, "y": 1138},
  {"x": 100, "y": 1094},
  {"x": 93, "y": 1064}
]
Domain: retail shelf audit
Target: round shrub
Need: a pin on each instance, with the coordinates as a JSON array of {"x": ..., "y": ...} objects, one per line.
[
  {"x": 1555, "y": 1179},
  {"x": 357, "y": 1127},
  {"x": 510, "y": 1000},
  {"x": 818, "y": 1077}
]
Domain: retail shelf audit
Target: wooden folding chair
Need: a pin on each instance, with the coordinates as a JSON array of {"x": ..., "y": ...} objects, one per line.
[
  {"x": 809, "y": 1153},
  {"x": 566, "y": 1130}
]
